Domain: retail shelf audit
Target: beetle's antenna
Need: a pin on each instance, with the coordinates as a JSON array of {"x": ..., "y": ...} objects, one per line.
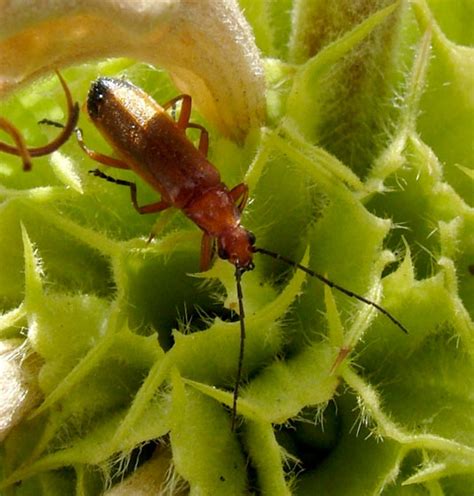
[
  {"x": 240, "y": 298},
  {"x": 331, "y": 284}
]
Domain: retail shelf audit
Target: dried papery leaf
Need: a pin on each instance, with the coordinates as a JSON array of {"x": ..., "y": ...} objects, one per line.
[
  {"x": 18, "y": 390},
  {"x": 207, "y": 46}
]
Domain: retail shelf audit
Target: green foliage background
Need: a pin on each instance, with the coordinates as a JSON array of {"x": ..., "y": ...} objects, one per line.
[{"x": 364, "y": 172}]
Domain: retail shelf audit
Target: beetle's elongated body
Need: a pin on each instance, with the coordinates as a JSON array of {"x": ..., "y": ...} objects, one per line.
[{"x": 155, "y": 147}]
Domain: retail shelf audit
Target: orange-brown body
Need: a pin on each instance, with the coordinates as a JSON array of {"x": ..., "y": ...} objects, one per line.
[{"x": 155, "y": 147}]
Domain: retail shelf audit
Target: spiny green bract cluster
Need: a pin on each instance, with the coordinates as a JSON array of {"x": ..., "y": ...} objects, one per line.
[{"x": 363, "y": 173}]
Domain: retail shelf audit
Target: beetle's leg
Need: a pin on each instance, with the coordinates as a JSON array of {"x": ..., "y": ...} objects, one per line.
[
  {"x": 99, "y": 157},
  {"x": 207, "y": 252},
  {"x": 144, "y": 209},
  {"x": 203, "y": 139},
  {"x": 240, "y": 195},
  {"x": 68, "y": 128},
  {"x": 185, "y": 113},
  {"x": 183, "y": 121},
  {"x": 162, "y": 221}
]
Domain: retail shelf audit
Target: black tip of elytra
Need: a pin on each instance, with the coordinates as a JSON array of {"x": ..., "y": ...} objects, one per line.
[{"x": 97, "y": 94}]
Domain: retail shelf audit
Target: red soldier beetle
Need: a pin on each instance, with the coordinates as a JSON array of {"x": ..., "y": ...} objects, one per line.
[{"x": 149, "y": 142}]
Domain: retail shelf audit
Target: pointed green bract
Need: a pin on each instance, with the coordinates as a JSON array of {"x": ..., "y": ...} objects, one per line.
[{"x": 363, "y": 173}]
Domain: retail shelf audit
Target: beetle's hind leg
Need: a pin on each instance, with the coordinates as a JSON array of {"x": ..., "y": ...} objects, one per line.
[
  {"x": 119, "y": 164},
  {"x": 151, "y": 208}
]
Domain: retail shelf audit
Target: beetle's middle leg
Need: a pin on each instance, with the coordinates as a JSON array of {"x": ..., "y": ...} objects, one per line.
[{"x": 151, "y": 208}]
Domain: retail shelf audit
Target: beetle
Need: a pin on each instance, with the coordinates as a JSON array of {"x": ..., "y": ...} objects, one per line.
[
  {"x": 148, "y": 141},
  {"x": 156, "y": 148}
]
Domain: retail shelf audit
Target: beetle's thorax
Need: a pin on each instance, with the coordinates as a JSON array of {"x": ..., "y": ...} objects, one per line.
[
  {"x": 213, "y": 210},
  {"x": 221, "y": 219}
]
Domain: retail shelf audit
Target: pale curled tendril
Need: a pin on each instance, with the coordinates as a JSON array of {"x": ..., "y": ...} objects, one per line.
[{"x": 206, "y": 45}]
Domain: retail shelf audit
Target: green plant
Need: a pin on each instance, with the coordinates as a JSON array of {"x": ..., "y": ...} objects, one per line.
[{"x": 363, "y": 172}]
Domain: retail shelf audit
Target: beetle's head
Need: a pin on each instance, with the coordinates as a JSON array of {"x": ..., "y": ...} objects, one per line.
[{"x": 236, "y": 245}]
